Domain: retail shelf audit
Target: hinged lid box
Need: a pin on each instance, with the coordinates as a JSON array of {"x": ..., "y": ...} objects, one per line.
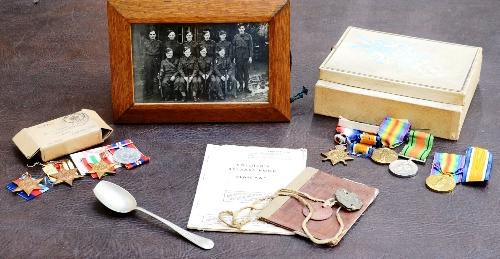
[{"x": 369, "y": 75}]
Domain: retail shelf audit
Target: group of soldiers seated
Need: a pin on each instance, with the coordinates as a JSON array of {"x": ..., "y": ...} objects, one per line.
[{"x": 206, "y": 69}]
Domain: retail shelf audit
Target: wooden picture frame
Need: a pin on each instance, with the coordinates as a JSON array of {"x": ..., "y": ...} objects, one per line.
[{"x": 123, "y": 14}]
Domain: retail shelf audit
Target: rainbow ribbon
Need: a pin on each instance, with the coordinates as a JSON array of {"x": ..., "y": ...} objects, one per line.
[
  {"x": 419, "y": 146},
  {"x": 392, "y": 131},
  {"x": 448, "y": 164},
  {"x": 477, "y": 165}
]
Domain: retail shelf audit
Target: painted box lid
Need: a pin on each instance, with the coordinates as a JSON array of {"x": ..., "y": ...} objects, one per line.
[{"x": 402, "y": 65}]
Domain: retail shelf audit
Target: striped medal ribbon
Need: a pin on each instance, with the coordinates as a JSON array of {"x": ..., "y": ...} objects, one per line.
[
  {"x": 448, "y": 164},
  {"x": 393, "y": 131},
  {"x": 419, "y": 146},
  {"x": 477, "y": 165}
]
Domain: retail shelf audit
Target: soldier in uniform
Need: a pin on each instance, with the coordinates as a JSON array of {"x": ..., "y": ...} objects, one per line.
[
  {"x": 225, "y": 44},
  {"x": 187, "y": 68},
  {"x": 208, "y": 43},
  {"x": 152, "y": 59},
  {"x": 193, "y": 45},
  {"x": 205, "y": 70},
  {"x": 172, "y": 44},
  {"x": 168, "y": 74},
  {"x": 243, "y": 52},
  {"x": 223, "y": 75}
]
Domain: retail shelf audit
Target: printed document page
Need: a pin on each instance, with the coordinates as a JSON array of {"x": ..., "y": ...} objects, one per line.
[{"x": 234, "y": 176}]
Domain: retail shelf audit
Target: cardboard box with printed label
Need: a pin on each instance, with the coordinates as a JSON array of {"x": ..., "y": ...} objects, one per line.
[
  {"x": 369, "y": 75},
  {"x": 63, "y": 135}
]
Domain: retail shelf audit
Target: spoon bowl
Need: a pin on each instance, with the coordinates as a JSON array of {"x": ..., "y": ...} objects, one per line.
[{"x": 120, "y": 200}]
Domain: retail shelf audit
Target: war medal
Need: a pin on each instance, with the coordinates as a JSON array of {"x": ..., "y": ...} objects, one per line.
[
  {"x": 403, "y": 168},
  {"x": 337, "y": 155},
  {"x": 384, "y": 155},
  {"x": 126, "y": 155}
]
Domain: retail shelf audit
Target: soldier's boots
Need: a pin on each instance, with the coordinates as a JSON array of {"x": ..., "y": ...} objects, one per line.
[{"x": 246, "y": 88}]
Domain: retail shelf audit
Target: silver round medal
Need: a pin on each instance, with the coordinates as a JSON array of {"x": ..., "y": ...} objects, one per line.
[
  {"x": 126, "y": 155},
  {"x": 348, "y": 200},
  {"x": 403, "y": 168}
]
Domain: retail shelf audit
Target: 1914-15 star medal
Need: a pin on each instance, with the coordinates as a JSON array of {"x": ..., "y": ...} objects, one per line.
[
  {"x": 337, "y": 155},
  {"x": 102, "y": 168},
  {"x": 27, "y": 184},
  {"x": 66, "y": 176}
]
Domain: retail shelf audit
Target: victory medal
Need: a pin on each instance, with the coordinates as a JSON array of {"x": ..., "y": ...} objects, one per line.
[{"x": 440, "y": 183}]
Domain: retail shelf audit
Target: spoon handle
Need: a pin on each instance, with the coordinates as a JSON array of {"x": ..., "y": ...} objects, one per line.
[{"x": 200, "y": 241}]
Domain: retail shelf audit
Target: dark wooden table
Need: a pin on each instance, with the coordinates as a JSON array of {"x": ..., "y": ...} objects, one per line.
[{"x": 54, "y": 61}]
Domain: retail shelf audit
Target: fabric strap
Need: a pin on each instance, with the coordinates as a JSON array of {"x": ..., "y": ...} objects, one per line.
[
  {"x": 419, "y": 145},
  {"x": 448, "y": 164},
  {"x": 477, "y": 165},
  {"x": 392, "y": 131}
]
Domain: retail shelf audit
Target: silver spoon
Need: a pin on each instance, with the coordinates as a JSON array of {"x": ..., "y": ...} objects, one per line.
[{"x": 120, "y": 200}]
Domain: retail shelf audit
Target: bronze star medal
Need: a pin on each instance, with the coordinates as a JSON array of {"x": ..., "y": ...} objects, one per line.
[
  {"x": 67, "y": 176},
  {"x": 27, "y": 184},
  {"x": 102, "y": 168},
  {"x": 337, "y": 155}
]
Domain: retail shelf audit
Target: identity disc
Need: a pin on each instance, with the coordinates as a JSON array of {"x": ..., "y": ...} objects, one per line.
[
  {"x": 319, "y": 212},
  {"x": 348, "y": 200}
]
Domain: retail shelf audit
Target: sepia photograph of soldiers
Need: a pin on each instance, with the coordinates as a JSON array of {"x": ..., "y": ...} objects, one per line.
[{"x": 183, "y": 63}]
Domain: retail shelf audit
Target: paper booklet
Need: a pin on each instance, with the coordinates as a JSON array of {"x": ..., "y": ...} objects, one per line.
[
  {"x": 234, "y": 176},
  {"x": 287, "y": 212}
]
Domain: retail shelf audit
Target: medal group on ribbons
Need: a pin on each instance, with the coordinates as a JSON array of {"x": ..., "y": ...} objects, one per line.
[
  {"x": 98, "y": 163},
  {"x": 378, "y": 144}
]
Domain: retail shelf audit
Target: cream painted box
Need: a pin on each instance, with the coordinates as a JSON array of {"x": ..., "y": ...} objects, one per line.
[{"x": 369, "y": 75}]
